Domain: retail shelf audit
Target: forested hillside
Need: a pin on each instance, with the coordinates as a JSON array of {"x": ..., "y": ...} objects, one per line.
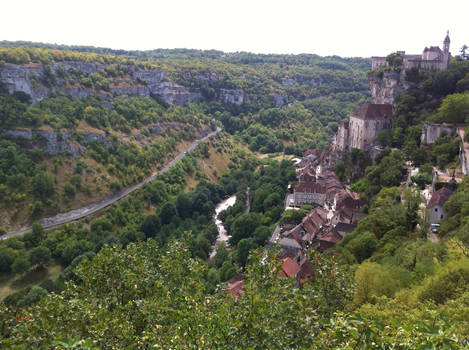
[{"x": 78, "y": 126}]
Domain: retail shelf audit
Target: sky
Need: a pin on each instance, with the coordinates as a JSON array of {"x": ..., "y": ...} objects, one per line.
[{"x": 347, "y": 28}]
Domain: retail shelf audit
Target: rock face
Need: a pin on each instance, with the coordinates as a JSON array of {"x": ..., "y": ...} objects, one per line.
[
  {"x": 280, "y": 100},
  {"x": 85, "y": 67},
  {"x": 20, "y": 77},
  {"x": 144, "y": 83},
  {"x": 288, "y": 81},
  {"x": 53, "y": 142},
  {"x": 231, "y": 96},
  {"x": 385, "y": 88}
]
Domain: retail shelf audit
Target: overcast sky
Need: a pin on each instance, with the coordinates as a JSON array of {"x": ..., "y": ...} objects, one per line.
[{"x": 327, "y": 27}]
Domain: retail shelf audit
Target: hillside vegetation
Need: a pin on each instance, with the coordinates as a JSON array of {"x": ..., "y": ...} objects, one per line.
[{"x": 102, "y": 122}]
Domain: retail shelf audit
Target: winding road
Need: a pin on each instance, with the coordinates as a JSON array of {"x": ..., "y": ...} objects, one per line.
[{"x": 89, "y": 209}]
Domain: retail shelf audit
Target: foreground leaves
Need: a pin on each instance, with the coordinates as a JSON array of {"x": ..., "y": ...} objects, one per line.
[{"x": 144, "y": 296}]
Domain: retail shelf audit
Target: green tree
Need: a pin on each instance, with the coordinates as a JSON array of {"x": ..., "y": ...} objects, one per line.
[
  {"x": 43, "y": 185},
  {"x": 184, "y": 205},
  {"x": 7, "y": 257},
  {"x": 242, "y": 251},
  {"x": 454, "y": 108},
  {"x": 69, "y": 189},
  {"x": 221, "y": 255},
  {"x": 40, "y": 256},
  {"x": 244, "y": 226},
  {"x": 37, "y": 233},
  {"x": 168, "y": 211},
  {"x": 21, "y": 264},
  {"x": 227, "y": 271}
]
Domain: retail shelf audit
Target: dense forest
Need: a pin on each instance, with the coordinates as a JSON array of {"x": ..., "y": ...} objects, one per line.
[{"x": 140, "y": 274}]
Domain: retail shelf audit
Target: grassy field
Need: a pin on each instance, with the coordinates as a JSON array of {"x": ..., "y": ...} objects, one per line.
[{"x": 10, "y": 283}]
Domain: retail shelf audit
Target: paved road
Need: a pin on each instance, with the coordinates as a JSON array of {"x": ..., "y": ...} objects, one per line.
[{"x": 80, "y": 213}]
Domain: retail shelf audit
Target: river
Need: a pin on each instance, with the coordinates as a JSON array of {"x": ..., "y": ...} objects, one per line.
[{"x": 222, "y": 236}]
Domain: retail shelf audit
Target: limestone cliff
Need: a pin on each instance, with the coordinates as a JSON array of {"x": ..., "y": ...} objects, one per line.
[
  {"x": 29, "y": 78},
  {"x": 386, "y": 85},
  {"x": 57, "y": 142},
  {"x": 231, "y": 96}
]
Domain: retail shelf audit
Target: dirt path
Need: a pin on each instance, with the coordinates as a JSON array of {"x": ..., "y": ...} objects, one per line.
[{"x": 89, "y": 209}]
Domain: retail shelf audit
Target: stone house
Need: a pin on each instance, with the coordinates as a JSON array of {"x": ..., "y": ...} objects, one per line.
[
  {"x": 432, "y": 131},
  {"x": 435, "y": 212},
  {"x": 309, "y": 193}
]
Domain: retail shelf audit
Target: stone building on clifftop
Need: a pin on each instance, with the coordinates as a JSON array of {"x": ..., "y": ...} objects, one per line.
[
  {"x": 361, "y": 130},
  {"x": 432, "y": 58}
]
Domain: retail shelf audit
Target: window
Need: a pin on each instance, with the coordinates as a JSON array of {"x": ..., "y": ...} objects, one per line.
[
  {"x": 436, "y": 209},
  {"x": 441, "y": 217}
]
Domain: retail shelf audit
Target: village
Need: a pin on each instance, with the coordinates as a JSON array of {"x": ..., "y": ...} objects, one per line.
[{"x": 335, "y": 208}]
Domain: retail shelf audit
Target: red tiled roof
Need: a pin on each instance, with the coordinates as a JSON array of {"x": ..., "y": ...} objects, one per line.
[
  {"x": 306, "y": 271},
  {"x": 308, "y": 225},
  {"x": 440, "y": 197},
  {"x": 309, "y": 187},
  {"x": 331, "y": 236},
  {"x": 236, "y": 278},
  {"x": 290, "y": 268},
  {"x": 311, "y": 151},
  {"x": 314, "y": 220},
  {"x": 373, "y": 111},
  {"x": 236, "y": 289},
  {"x": 307, "y": 176},
  {"x": 321, "y": 212}
]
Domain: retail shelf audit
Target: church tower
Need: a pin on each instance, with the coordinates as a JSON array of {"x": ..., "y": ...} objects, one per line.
[{"x": 446, "y": 54}]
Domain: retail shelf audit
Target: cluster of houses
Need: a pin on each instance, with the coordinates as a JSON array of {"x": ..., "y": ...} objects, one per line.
[{"x": 336, "y": 213}]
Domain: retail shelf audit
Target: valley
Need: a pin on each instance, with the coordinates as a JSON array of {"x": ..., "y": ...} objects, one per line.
[{"x": 202, "y": 199}]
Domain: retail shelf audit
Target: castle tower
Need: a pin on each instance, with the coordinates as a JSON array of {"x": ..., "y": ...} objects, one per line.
[{"x": 446, "y": 53}]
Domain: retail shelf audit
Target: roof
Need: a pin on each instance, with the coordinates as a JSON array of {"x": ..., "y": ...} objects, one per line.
[
  {"x": 311, "y": 151},
  {"x": 306, "y": 271},
  {"x": 236, "y": 278},
  {"x": 433, "y": 49},
  {"x": 331, "y": 236},
  {"x": 447, "y": 38},
  {"x": 309, "y": 187},
  {"x": 289, "y": 242},
  {"x": 344, "y": 227},
  {"x": 373, "y": 111},
  {"x": 307, "y": 176},
  {"x": 236, "y": 289},
  {"x": 289, "y": 268},
  {"x": 440, "y": 197},
  {"x": 314, "y": 219}
]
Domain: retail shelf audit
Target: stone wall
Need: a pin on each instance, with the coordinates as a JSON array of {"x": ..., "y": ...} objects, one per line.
[
  {"x": 342, "y": 136},
  {"x": 359, "y": 133},
  {"x": 301, "y": 198},
  {"x": 432, "y": 131}
]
